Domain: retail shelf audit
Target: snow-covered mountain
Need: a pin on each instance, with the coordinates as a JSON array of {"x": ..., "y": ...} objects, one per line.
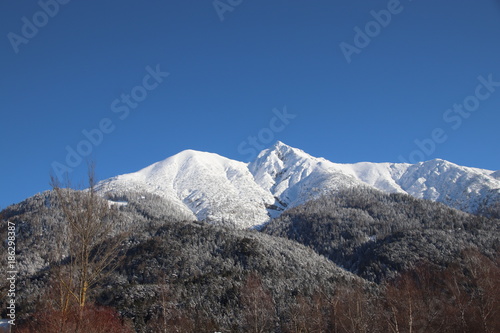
[
  {"x": 218, "y": 189},
  {"x": 213, "y": 187}
]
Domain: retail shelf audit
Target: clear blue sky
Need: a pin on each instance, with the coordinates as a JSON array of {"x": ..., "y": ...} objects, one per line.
[{"x": 226, "y": 77}]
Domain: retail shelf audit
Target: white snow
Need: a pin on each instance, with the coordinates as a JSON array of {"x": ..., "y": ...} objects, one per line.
[
  {"x": 117, "y": 203},
  {"x": 215, "y": 188}
]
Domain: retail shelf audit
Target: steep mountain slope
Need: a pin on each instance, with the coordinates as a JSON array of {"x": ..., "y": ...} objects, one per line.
[
  {"x": 184, "y": 272},
  {"x": 294, "y": 177},
  {"x": 217, "y": 189},
  {"x": 213, "y": 187},
  {"x": 438, "y": 180}
]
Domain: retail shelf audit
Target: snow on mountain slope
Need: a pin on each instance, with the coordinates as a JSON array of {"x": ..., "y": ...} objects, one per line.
[
  {"x": 217, "y": 189},
  {"x": 456, "y": 186},
  {"x": 294, "y": 177},
  {"x": 438, "y": 180},
  {"x": 213, "y": 187},
  {"x": 382, "y": 176}
]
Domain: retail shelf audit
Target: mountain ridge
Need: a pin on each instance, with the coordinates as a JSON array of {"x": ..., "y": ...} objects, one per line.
[{"x": 218, "y": 189}]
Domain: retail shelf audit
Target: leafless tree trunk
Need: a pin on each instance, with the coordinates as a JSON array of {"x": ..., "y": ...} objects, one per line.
[{"x": 87, "y": 243}]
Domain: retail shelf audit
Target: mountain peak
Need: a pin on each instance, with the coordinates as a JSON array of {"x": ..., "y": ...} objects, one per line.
[
  {"x": 291, "y": 174},
  {"x": 215, "y": 188},
  {"x": 198, "y": 155},
  {"x": 282, "y": 152},
  {"x": 278, "y": 144}
]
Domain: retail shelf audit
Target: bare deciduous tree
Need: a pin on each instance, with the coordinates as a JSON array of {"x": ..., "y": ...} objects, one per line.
[
  {"x": 88, "y": 243},
  {"x": 258, "y": 306}
]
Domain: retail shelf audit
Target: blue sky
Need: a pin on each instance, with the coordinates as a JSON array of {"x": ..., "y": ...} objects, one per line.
[{"x": 242, "y": 74}]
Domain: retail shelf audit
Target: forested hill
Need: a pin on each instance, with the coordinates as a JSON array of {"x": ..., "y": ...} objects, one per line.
[
  {"x": 376, "y": 235},
  {"x": 356, "y": 260}
]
